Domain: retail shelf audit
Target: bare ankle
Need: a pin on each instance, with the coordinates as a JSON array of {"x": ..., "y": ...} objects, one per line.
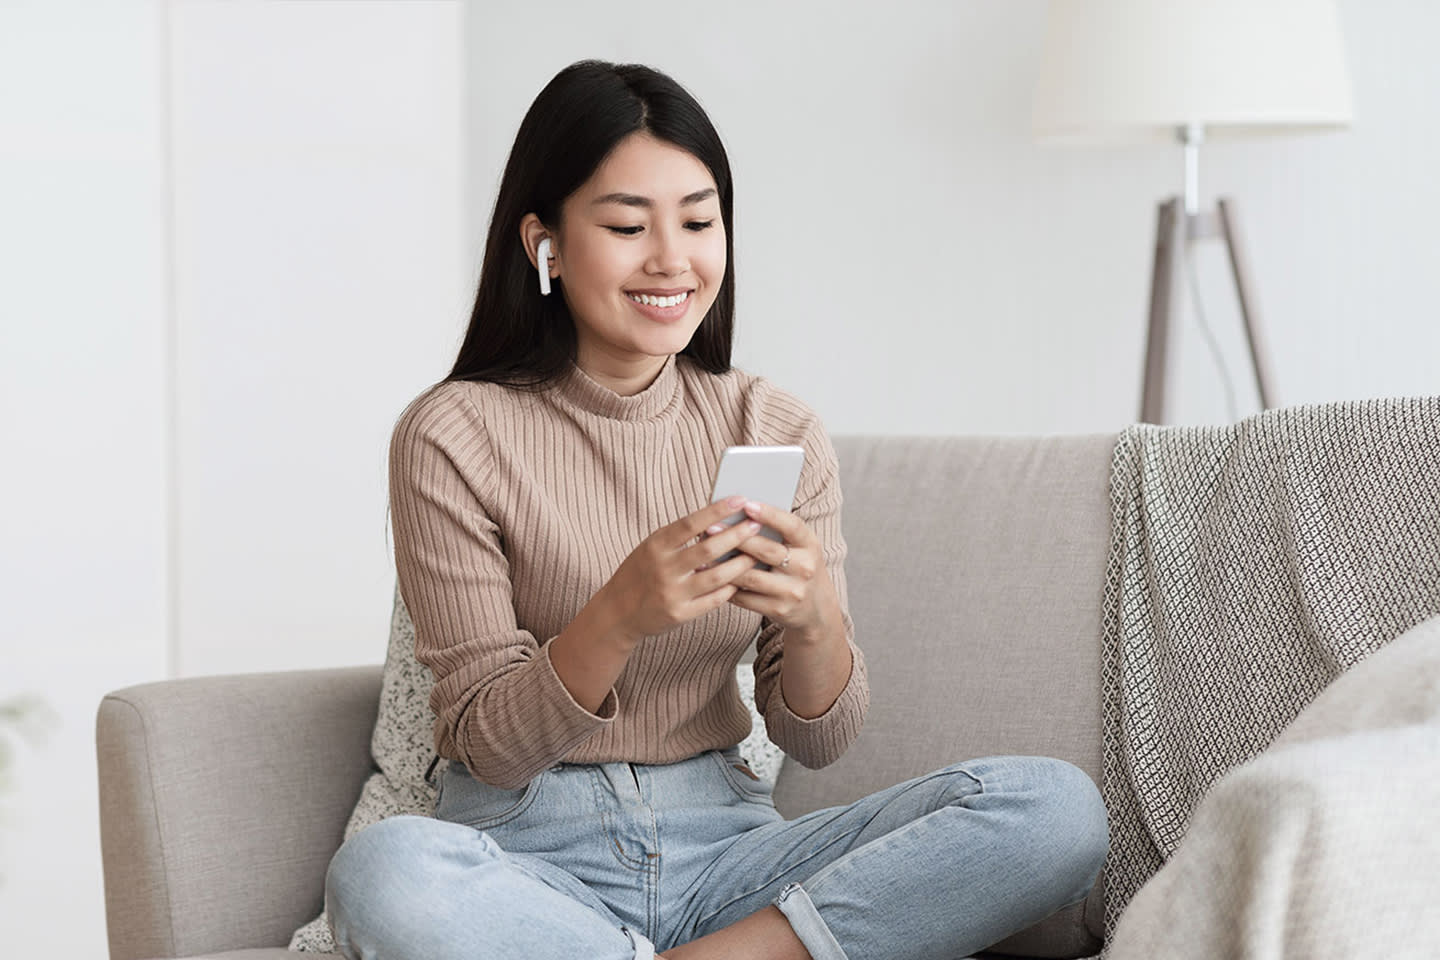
[{"x": 764, "y": 935}]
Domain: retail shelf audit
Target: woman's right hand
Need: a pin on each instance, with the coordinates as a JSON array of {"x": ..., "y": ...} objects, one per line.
[{"x": 667, "y": 580}]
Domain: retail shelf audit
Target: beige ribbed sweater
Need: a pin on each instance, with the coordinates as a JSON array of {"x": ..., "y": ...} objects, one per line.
[{"x": 511, "y": 509}]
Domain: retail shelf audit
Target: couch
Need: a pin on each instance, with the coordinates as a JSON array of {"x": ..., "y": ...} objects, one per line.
[{"x": 976, "y": 569}]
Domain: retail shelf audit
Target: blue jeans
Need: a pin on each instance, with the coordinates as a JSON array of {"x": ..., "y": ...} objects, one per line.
[{"x": 614, "y": 861}]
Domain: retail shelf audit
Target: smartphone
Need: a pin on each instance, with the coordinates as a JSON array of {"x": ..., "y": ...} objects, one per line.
[{"x": 767, "y": 475}]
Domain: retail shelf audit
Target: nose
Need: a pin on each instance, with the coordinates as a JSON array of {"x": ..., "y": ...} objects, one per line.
[{"x": 668, "y": 253}]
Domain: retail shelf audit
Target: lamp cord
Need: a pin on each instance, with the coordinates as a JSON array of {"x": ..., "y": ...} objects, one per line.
[{"x": 1194, "y": 284}]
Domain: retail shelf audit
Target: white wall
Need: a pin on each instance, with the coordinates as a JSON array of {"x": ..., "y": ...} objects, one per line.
[
  {"x": 232, "y": 248},
  {"x": 227, "y": 261},
  {"x": 319, "y": 273},
  {"x": 83, "y": 535},
  {"x": 891, "y": 205}
]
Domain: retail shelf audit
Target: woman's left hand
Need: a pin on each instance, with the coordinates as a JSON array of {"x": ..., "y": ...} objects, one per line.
[{"x": 796, "y": 591}]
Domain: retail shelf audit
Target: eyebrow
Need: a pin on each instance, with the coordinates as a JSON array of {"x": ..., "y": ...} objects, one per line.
[{"x": 632, "y": 200}]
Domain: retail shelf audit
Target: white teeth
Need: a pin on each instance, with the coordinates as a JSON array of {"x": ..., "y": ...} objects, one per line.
[{"x": 645, "y": 298}]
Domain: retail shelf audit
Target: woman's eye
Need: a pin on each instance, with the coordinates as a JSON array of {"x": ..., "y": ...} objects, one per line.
[{"x": 695, "y": 226}]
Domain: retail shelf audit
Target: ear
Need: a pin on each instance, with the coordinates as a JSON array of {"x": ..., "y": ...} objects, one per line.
[{"x": 532, "y": 231}]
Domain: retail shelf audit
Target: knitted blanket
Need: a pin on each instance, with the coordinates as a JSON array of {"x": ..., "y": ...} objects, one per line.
[{"x": 1250, "y": 565}]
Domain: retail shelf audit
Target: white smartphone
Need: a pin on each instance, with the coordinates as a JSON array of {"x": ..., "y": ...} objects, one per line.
[{"x": 768, "y": 475}]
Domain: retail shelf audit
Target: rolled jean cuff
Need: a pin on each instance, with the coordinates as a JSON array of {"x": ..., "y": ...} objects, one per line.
[
  {"x": 644, "y": 949},
  {"x": 805, "y": 920}
]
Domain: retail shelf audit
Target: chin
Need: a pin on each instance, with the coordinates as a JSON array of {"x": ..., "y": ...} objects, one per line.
[{"x": 665, "y": 342}]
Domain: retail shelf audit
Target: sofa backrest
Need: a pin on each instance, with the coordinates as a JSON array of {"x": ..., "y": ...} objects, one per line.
[{"x": 976, "y": 573}]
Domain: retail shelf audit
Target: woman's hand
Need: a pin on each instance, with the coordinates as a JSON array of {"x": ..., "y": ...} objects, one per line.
[
  {"x": 796, "y": 591},
  {"x": 668, "y": 580}
]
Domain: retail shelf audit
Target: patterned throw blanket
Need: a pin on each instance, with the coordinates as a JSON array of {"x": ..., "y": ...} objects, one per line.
[{"x": 1250, "y": 565}]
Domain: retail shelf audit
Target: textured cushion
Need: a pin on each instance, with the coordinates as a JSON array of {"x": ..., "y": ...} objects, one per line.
[{"x": 403, "y": 747}]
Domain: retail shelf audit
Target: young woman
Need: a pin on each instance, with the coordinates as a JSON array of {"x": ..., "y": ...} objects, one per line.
[{"x": 556, "y": 551}]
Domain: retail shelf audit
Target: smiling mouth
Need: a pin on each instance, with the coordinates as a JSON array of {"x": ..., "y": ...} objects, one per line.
[{"x": 653, "y": 301}]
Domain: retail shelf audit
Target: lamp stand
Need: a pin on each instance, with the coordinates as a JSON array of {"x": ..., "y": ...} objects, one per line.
[{"x": 1175, "y": 226}]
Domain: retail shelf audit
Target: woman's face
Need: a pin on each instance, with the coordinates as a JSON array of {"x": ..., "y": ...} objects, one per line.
[{"x": 646, "y": 223}]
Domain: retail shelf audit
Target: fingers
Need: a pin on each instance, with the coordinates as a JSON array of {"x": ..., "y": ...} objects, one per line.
[
  {"x": 725, "y": 574},
  {"x": 785, "y": 594},
  {"x": 718, "y": 544},
  {"x": 769, "y": 594},
  {"x": 689, "y": 527},
  {"x": 713, "y": 600},
  {"x": 783, "y": 522},
  {"x": 756, "y": 603},
  {"x": 771, "y": 583},
  {"x": 801, "y": 562}
]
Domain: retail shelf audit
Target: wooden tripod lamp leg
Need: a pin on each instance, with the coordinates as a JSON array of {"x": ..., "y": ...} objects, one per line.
[
  {"x": 1240, "y": 267},
  {"x": 1157, "y": 340}
]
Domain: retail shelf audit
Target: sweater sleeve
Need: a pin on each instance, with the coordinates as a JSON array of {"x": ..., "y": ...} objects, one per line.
[
  {"x": 499, "y": 705},
  {"x": 818, "y": 741}
]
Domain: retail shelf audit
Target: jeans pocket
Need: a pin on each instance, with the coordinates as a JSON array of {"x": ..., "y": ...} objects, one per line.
[
  {"x": 462, "y": 799},
  {"x": 746, "y": 784}
]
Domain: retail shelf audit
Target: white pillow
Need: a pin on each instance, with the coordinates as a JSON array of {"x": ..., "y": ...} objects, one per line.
[
  {"x": 1323, "y": 845},
  {"x": 403, "y": 746}
]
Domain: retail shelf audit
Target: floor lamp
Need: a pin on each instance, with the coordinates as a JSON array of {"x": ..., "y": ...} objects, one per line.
[{"x": 1188, "y": 71}]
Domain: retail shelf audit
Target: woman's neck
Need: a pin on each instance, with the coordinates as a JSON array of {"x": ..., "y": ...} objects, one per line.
[{"x": 625, "y": 376}]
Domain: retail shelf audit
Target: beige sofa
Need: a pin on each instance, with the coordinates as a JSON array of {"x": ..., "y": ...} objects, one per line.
[{"x": 976, "y": 573}]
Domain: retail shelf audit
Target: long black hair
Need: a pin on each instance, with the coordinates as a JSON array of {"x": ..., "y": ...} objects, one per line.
[{"x": 520, "y": 338}]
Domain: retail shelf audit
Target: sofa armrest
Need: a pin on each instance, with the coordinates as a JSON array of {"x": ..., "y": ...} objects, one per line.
[{"x": 222, "y": 800}]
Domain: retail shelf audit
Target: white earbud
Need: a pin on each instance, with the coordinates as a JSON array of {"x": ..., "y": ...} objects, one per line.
[{"x": 542, "y": 255}]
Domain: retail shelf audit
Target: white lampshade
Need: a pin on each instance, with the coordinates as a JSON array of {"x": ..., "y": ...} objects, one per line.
[{"x": 1136, "y": 70}]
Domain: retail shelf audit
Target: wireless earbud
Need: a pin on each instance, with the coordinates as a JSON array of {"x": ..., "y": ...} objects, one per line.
[{"x": 542, "y": 256}]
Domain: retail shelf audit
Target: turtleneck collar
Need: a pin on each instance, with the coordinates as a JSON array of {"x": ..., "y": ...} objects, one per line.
[{"x": 579, "y": 389}]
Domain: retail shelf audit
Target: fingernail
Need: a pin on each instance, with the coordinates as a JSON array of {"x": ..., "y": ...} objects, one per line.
[
  {"x": 751, "y": 506},
  {"x": 712, "y": 530},
  {"x": 734, "y": 501},
  {"x": 752, "y": 526}
]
